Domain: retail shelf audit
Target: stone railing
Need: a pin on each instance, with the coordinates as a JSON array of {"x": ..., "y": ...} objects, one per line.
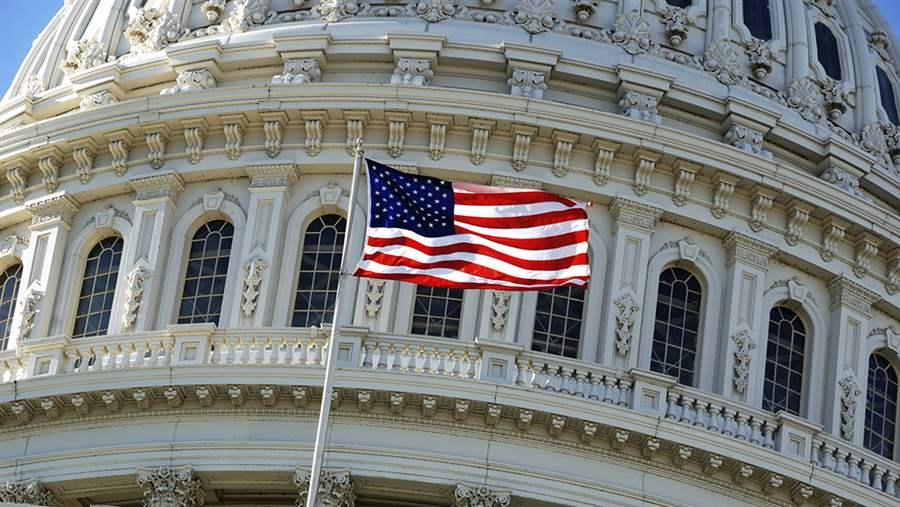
[{"x": 500, "y": 363}]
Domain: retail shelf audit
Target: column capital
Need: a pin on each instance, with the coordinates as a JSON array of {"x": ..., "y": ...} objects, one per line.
[
  {"x": 479, "y": 496},
  {"x": 157, "y": 186},
  {"x": 847, "y": 293},
  {"x": 60, "y": 207},
  {"x": 26, "y": 492},
  {"x": 334, "y": 485},
  {"x": 272, "y": 174},
  {"x": 635, "y": 213},
  {"x": 740, "y": 246},
  {"x": 170, "y": 487}
]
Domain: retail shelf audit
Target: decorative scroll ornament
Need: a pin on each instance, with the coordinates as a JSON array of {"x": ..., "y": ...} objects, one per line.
[
  {"x": 584, "y": 9},
  {"x": 299, "y": 71},
  {"x": 849, "y": 394},
  {"x": 82, "y": 55},
  {"x": 677, "y": 22},
  {"x": 479, "y": 496},
  {"x": 743, "y": 346},
  {"x": 640, "y": 107},
  {"x": 374, "y": 296},
  {"x": 152, "y": 29},
  {"x": 30, "y": 310},
  {"x": 253, "y": 270},
  {"x": 632, "y": 33},
  {"x": 29, "y": 492},
  {"x": 412, "y": 71},
  {"x": 167, "y": 487},
  {"x": 625, "y": 322},
  {"x": 499, "y": 308},
  {"x": 191, "y": 81},
  {"x": 721, "y": 59},
  {"x": 535, "y": 16},
  {"x": 332, "y": 11},
  {"x": 747, "y": 139},
  {"x": 805, "y": 96},
  {"x": 527, "y": 83},
  {"x": 844, "y": 181},
  {"x": 435, "y": 11},
  {"x": 836, "y": 97},
  {"x": 134, "y": 294},
  {"x": 97, "y": 99},
  {"x": 335, "y": 488},
  {"x": 760, "y": 53}
]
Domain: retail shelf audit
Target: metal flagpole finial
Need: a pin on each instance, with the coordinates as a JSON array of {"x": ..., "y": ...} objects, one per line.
[{"x": 358, "y": 146}]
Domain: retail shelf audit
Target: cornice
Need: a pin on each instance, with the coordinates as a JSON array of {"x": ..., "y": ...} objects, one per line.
[
  {"x": 60, "y": 207},
  {"x": 163, "y": 185},
  {"x": 847, "y": 293},
  {"x": 637, "y": 214},
  {"x": 746, "y": 248},
  {"x": 272, "y": 174}
]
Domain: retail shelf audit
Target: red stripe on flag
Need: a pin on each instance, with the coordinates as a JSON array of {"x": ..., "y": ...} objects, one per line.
[
  {"x": 553, "y": 217},
  {"x": 509, "y": 198},
  {"x": 544, "y": 243},
  {"x": 434, "y": 281}
]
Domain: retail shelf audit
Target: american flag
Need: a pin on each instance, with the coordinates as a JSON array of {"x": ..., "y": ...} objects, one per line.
[{"x": 459, "y": 235}]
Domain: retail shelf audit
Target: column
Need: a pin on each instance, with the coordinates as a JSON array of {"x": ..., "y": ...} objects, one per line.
[
  {"x": 846, "y": 365},
  {"x": 721, "y": 22},
  {"x": 26, "y": 492},
  {"x": 154, "y": 209},
  {"x": 337, "y": 486},
  {"x": 797, "y": 40},
  {"x": 863, "y": 58},
  {"x": 51, "y": 220},
  {"x": 634, "y": 223},
  {"x": 477, "y": 495},
  {"x": 170, "y": 487},
  {"x": 743, "y": 336},
  {"x": 260, "y": 260}
]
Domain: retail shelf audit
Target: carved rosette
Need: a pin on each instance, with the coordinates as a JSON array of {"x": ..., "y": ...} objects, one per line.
[
  {"x": 632, "y": 33},
  {"x": 535, "y": 16},
  {"x": 27, "y": 492},
  {"x": 743, "y": 346},
  {"x": 168, "y": 487},
  {"x": 479, "y": 496},
  {"x": 627, "y": 309},
  {"x": 499, "y": 308},
  {"x": 253, "y": 270},
  {"x": 721, "y": 59},
  {"x": 134, "y": 294},
  {"x": 335, "y": 488},
  {"x": 849, "y": 394},
  {"x": 805, "y": 96},
  {"x": 873, "y": 139},
  {"x": 299, "y": 71},
  {"x": 435, "y": 11}
]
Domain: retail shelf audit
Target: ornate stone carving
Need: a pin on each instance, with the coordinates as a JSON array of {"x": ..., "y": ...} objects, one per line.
[
  {"x": 481, "y": 133},
  {"x": 744, "y": 248},
  {"x": 356, "y": 128},
  {"x": 721, "y": 59},
  {"x": 743, "y": 346},
  {"x": 97, "y": 99},
  {"x": 170, "y": 487},
  {"x": 806, "y": 97},
  {"x": 313, "y": 142},
  {"x": 635, "y": 213},
  {"x": 844, "y": 181},
  {"x": 332, "y": 11},
  {"x": 33, "y": 87},
  {"x": 479, "y": 496},
  {"x": 640, "y": 107},
  {"x": 213, "y": 9},
  {"x": 628, "y": 309},
  {"x": 134, "y": 294},
  {"x": 605, "y": 153},
  {"x": 683, "y": 181},
  {"x": 194, "y": 137},
  {"x": 562, "y": 155},
  {"x": 272, "y": 175},
  {"x": 677, "y": 22},
  {"x": 166, "y": 185},
  {"x": 527, "y": 83},
  {"x": 832, "y": 234},
  {"x": 521, "y": 146},
  {"x": 499, "y": 308},
  {"x": 760, "y": 54},
  {"x": 59, "y": 207},
  {"x": 119, "y": 144},
  {"x": 892, "y": 284},
  {"x": 273, "y": 126},
  {"x": 253, "y": 270},
  {"x": 157, "y": 139},
  {"x": 847, "y": 293},
  {"x": 632, "y": 33},
  {"x": 13, "y": 245},
  {"x": 374, "y": 296},
  {"x": 881, "y": 43},
  {"x": 584, "y": 9},
  {"x": 866, "y": 250},
  {"x": 298, "y": 71},
  {"x": 872, "y": 139},
  {"x": 396, "y": 134},
  {"x": 646, "y": 164},
  {"x": 27, "y": 492},
  {"x": 245, "y": 14},
  {"x": 17, "y": 176},
  {"x": 849, "y": 394},
  {"x": 435, "y": 11},
  {"x": 535, "y": 16},
  {"x": 759, "y": 210},
  {"x": 335, "y": 488},
  {"x": 151, "y": 29},
  {"x": 49, "y": 164},
  {"x": 83, "y": 153},
  {"x": 82, "y": 55},
  {"x": 836, "y": 98},
  {"x": 234, "y": 136},
  {"x": 191, "y": 81},
  {"x": 413, "y": 72},
  {"x": 748, "y": 140},
  {"x": 438, "y": 136}
]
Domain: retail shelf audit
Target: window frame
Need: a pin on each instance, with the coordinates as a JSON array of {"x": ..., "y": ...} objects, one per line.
[
  {"x": 807, "y": 349},
  {"x": 778, "y": 21},
  {"x": 462, "y": 315},
  {"x": 300, "y": 242},
  {"x": 894, "y": 361},
  {"x": 882, "y": 111},
  {"x": 186, "y": 258},
  {"x": 5, "y": 265},
  {"x": 650, "y": 316},
  {"x": 580, "y": 350},
  {"x": 845, "y": 52},
  {"x": 80, "y": 285}
]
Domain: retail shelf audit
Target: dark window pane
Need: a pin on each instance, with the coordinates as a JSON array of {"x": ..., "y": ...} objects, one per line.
[
  {"x": 758, "y": 19},
  {"x": 680, "y": 3},
  {"x": 881, "y": 407},
  {"x": 557, "y": 321},
  {"x": 785, "y": 352},
  {"x": 98, "y": 286},
  {"x": 677, "y": 325},
  {"x": 318, "y": 277},
  {"x": 9, "y": 289},
  {"x": 827, "y": 50},
  {"x": 888, "y": 99},
  {"x": 204, "y": 279},
  {"x": 436, "y": 311}
]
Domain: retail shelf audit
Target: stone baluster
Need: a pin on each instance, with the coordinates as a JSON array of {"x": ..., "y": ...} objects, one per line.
[
  {"x": 743, "y": 428},
  {"x": 853, "y": 469},
  {"x": 828, "y": 461},
  {"x": 686, "y": 411},
  {"x": 866, "y": 476}
]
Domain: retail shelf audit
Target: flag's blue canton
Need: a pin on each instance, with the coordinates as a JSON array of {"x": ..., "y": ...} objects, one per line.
[{"x": 417, "y": 203}]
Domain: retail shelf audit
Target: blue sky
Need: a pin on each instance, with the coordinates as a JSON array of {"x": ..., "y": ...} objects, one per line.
[{"x": 28, "y": 17}]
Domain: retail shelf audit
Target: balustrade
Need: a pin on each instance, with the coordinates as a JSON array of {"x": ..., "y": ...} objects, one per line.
[{"x": 856, "y": 464}]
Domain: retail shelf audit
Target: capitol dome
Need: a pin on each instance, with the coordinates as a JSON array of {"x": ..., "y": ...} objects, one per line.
[{"x": 176, "y": 197}]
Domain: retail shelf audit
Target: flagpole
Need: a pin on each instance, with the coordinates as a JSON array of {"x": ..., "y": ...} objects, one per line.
[{"x": 327, "y": 387}]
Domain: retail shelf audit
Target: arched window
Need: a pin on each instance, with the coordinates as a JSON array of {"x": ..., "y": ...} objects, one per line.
[
  {"x": 888, "y": 99},
  {"x": 827, "y": 50},
  {"x": 881, "y": 407},
  {"x": 758, "y": 19},
  {"x": 319, "y": 265},
  {"x": 9, "y": 289},
  {"x": 204, "y": 278},
  {"x": 677, "y": 325},
  {"x": 783, "y": 385},
  {"x": 557, "y": 321},
  {"x": 98, "y": 286},
  {"x": 436, "y": 311},
  {"x": 680, "y": 3}
]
